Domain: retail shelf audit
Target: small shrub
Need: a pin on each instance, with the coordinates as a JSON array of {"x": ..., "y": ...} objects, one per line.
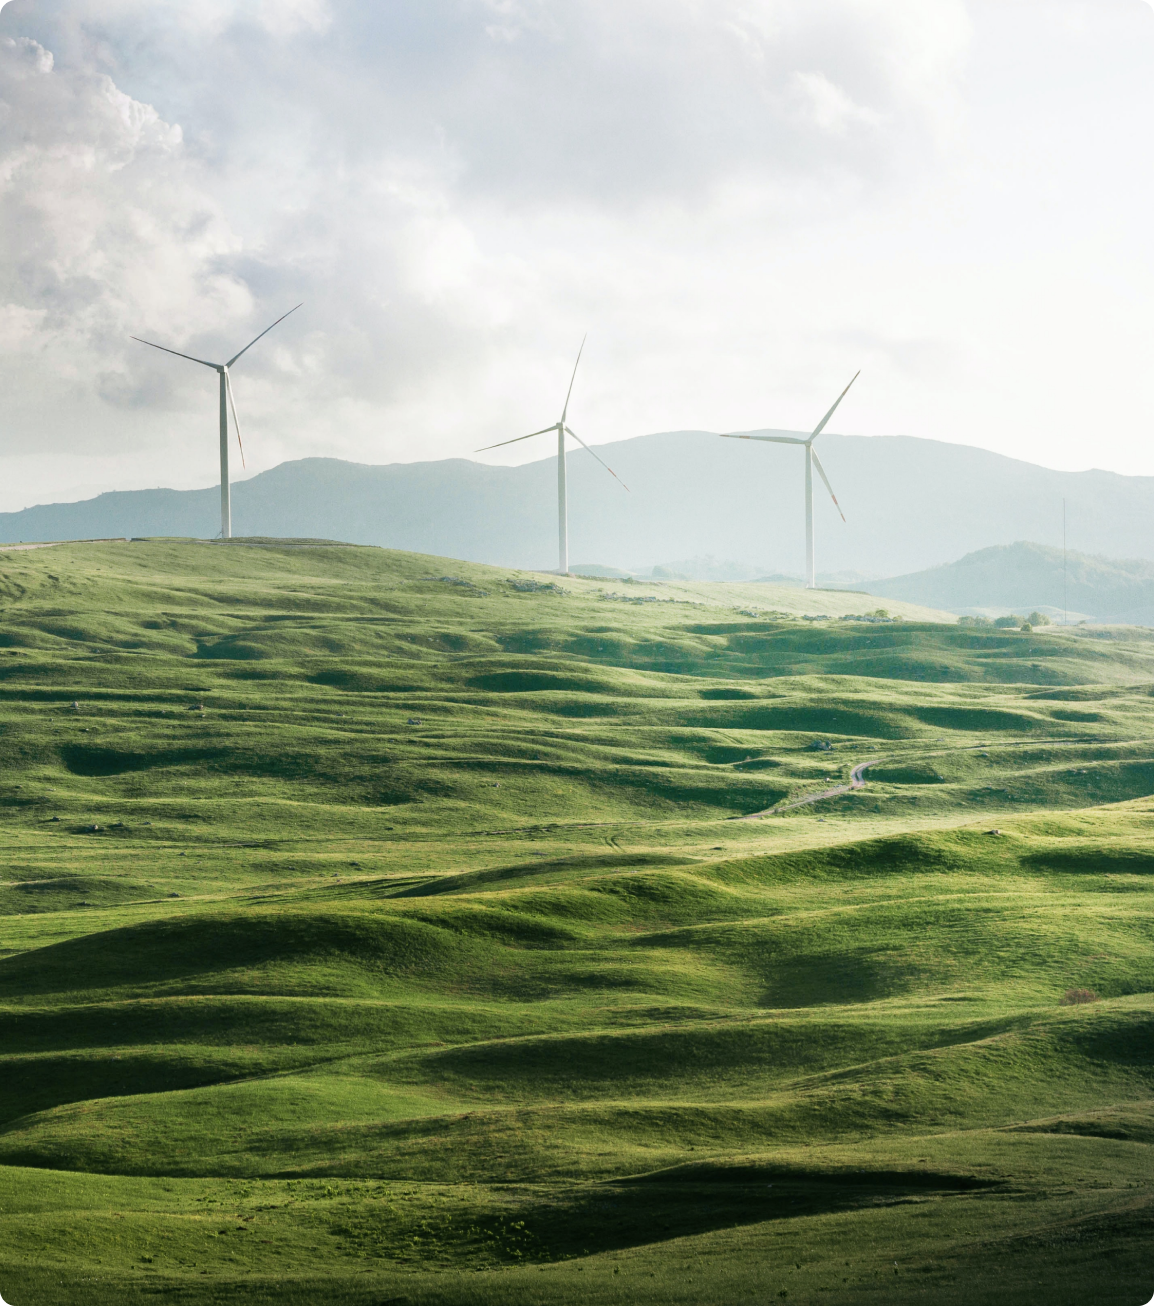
[
  {"x": 1026, "y": 627},
  {"x": 1075, "y": 997},
  {"x": 1008, "y": 623},
  {"x": 1038, "y": 619}
]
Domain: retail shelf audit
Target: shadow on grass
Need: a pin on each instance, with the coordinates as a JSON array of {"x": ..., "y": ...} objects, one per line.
[
  {"x": 680, "y": 1203},
  {"x": 560, "y": 867}
]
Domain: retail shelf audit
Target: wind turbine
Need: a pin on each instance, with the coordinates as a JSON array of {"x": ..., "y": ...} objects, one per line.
[
  {"x": 811, "y": 461},
  {"x": 562, "y": 497},
  {"x": 226, "y": 402}
]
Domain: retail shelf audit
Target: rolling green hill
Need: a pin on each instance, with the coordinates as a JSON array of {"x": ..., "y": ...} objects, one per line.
[{"x": 400, "y": 930}]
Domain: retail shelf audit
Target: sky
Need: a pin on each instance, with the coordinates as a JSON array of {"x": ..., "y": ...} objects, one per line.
[{"x": 742, "y": 202}]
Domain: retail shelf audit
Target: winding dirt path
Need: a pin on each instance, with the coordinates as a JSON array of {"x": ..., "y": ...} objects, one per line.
[{"x": 855, "y": 782}]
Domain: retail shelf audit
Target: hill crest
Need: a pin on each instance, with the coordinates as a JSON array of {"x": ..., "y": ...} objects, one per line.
[{"x": 909, "y": 503}]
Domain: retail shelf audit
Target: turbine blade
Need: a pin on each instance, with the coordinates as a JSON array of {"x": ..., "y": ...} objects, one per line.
[
  {"x": 261, "y": 336},
  {"x": 821, "y": 424},
  {"x": 825, "y": 478},
  {"x": 235, "y": 419},
  {"x": 517, "y": 439},
  {"x": 569, "y": 392},
  {"x": 214, "y": 366},
  {"x": 768, "y": 439},
  {"x": 600, "y": 460}
]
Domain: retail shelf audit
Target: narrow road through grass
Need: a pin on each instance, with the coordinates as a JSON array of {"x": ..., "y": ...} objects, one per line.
[{"x": 855, "y": 782}]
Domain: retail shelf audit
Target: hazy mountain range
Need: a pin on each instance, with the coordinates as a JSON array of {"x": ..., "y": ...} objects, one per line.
[
  {"x": 910, "y": 504},
  {"x": 1023, "y": 577}
]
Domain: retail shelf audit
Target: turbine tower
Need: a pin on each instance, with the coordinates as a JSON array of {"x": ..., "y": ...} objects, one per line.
[
  {"x": 226, "y": 402},
  {"x": 562, "y": 495},
  {"x": 811, "y": 461}
]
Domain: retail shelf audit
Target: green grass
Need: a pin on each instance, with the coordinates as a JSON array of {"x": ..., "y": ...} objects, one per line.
[{"x": 386, "y": 928}]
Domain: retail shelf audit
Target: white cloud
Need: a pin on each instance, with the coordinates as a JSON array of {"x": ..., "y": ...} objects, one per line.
[
  {"x": 742, "y": 199},
  {"x": 290, "y": 17},
  {"x": 830, "y": 107},
  {"x": 102, "y": 226},
  {"x": 27, "y": 57}
]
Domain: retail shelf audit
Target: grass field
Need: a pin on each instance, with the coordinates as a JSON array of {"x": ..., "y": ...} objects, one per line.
[{"x": 386, "y": 929}]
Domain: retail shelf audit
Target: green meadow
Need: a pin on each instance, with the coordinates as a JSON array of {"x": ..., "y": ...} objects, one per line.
[{"x": 376, "y": 928}]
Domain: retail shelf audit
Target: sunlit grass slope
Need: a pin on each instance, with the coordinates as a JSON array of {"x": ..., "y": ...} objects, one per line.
[{"x": 398, "y": 930}]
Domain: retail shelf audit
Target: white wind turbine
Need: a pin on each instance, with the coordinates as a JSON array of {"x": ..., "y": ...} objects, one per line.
[
  {"x": 811, "y": 461},
  {"x": 562, "y": 498},
  {"x": 226, "y": 402}
]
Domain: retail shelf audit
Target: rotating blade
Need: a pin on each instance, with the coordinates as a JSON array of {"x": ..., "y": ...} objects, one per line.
[
  {"x": 603, "y": 463},
  {"x": 516, "y": 439},
  {"x": 821, "y": 424},
  {"x": 235, "y": 419},
  {"x": 569, "y": 392},
  {"x": 825, "y": 478},
  {"x": 261, "y": 336},
  {"x": 215, "y": 366}
]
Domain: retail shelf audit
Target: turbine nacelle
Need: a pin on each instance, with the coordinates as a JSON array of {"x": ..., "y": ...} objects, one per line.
[
  {"x": 562, "y": 429},
  {"x": 811, "y": 459},
  {"x": 226, "y": 402}
]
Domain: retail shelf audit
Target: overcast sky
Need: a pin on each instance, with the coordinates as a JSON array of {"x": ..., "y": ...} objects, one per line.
[{"x": 742, "y": 202}]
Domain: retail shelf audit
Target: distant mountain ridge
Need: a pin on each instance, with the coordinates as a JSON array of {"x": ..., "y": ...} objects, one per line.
[
  {"x": 910, "y": 504},
  {"x": 1022, "y": 577}
]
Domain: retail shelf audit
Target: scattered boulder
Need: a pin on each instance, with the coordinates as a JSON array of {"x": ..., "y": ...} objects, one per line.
[
  {"x": 819, "y": 746},
  {"x": 536, "y": 587}
]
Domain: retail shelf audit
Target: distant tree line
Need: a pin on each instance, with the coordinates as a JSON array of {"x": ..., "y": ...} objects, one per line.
[{"x": 1007, "y": 623}]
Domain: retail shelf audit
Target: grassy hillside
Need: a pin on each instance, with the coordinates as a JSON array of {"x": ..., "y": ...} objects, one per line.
[{"x": 413, "y": 931}]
